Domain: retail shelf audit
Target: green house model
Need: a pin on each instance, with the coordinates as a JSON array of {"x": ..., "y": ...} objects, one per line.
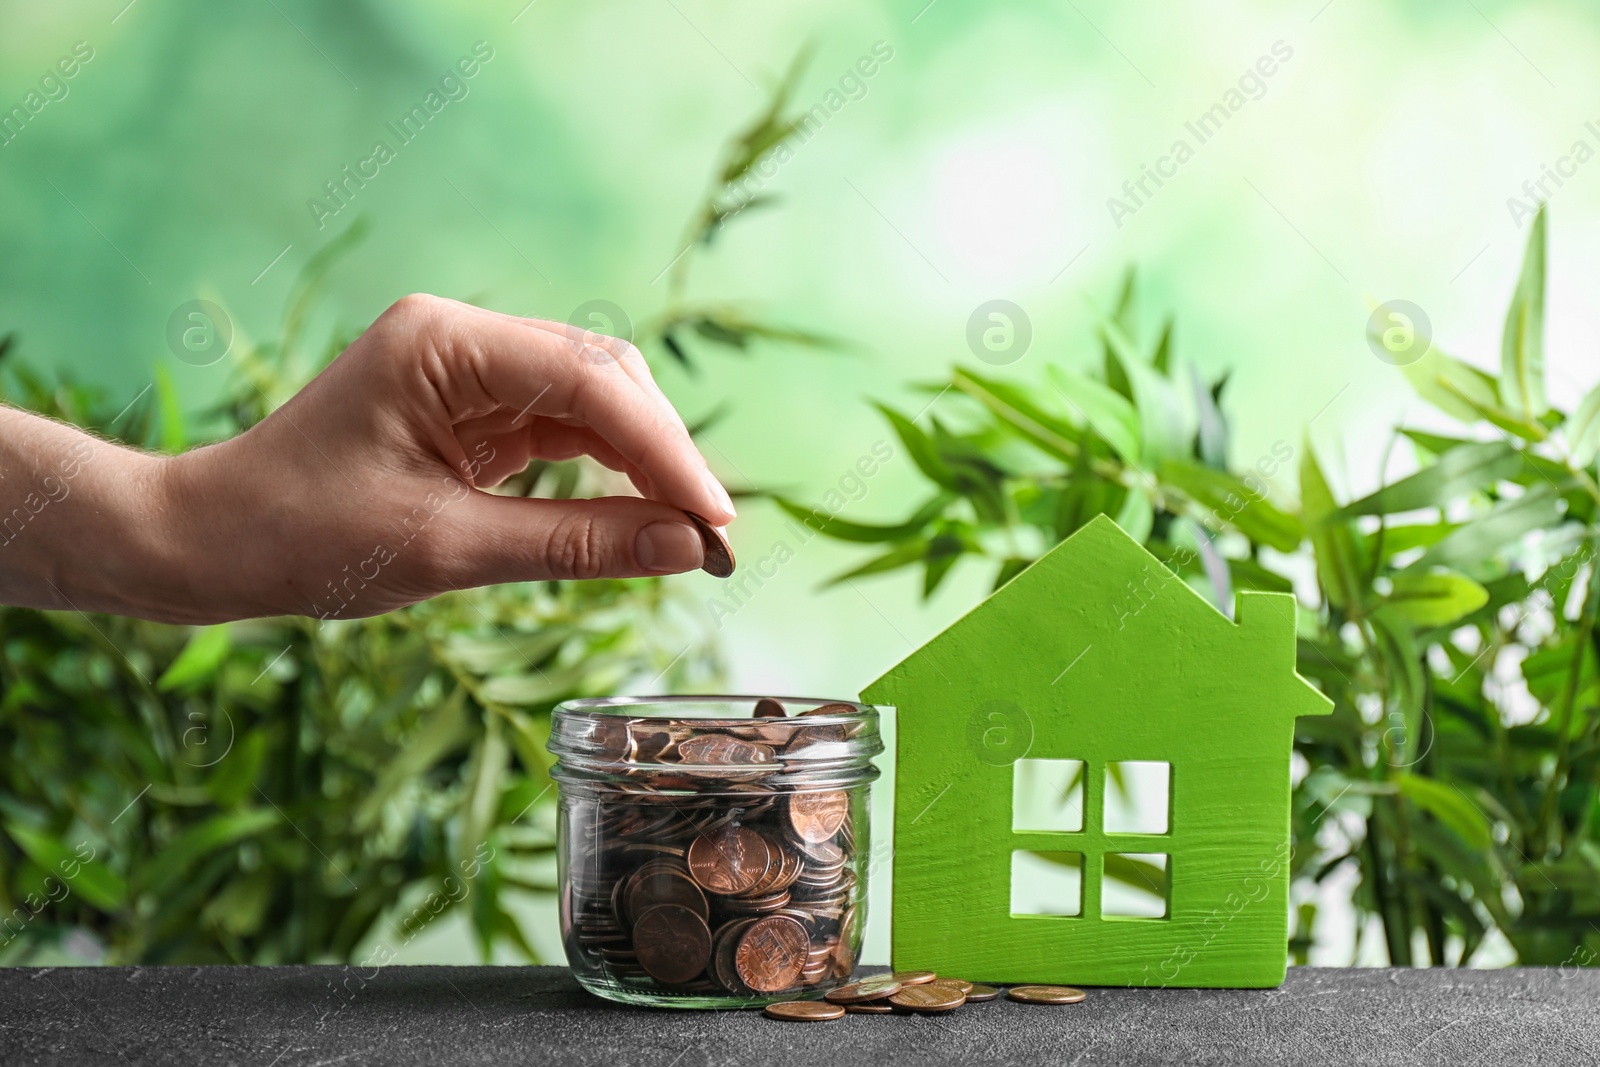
[{"x": 1092, "y": 780}]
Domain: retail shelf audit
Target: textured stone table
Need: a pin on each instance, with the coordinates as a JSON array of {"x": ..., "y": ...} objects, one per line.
[{"x": 300, "y": 1016}]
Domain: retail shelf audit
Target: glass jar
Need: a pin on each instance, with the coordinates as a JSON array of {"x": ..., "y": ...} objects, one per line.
[{"x": 713, "y": 850}]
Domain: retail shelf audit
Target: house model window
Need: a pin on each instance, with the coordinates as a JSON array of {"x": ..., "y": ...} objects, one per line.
[{"x": 1048, "y": 798}]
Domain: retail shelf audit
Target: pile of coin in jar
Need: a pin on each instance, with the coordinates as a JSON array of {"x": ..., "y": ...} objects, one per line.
[
  {"x": 706, "y": 880},
  {"x": 912, "y": 992}
]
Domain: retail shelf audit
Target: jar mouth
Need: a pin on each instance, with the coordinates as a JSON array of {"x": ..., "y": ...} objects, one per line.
[{"x": 698, "y": 743}]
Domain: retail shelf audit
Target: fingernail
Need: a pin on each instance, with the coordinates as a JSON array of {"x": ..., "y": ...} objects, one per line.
[
  {"x": 668, "y": 548},
  {"x": 719, "y": 494}
]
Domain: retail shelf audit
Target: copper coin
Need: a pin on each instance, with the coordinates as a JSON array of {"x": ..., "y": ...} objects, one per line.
[
  {"x": 719, "y": 554},
  {"x": 1045, "y": 994},
  {"x": 720, "y": 750},
  {"x": 767, "y": 708},
  {"x": 836, "y": 708},
  {"x": 870, "y": 1008},
  {"x": 647, "y": 888},
  {"x": 915, "y": 977},
  {"x": 817, "y": 816},
  {"x": 878, "y": 987},
  {"x": 960, "y": 984},
  {"x": 928, "y": 997},
  {"x": 980, "y": 993},
  {"x": 771, "y": 954},
  {"x": 803, "y": 1011},
  {"x": 673, "y": 943},
  {"x": 730, "y": 860}
]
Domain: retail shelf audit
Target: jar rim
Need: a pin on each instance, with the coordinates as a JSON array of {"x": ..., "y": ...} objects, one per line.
[
  {"x": 635, "y": 737},
  {"x": 620, "y": 705}
]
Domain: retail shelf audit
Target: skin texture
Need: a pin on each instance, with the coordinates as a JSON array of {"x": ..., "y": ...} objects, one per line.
[{"x": 365, "y": 492}]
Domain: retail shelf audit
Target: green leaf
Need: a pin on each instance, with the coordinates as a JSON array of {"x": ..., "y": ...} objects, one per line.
[
  {"x": 441, "y": 732},
  {"x": 537, "y": 688},
  {"x": 1583, "y": 430},
  {"x": 174, "y": 436},
  {"x": 169, "y": 865},
  {"x": 1522, "y": 342},
  {"x": 1166, "y": 424},
  {"x": 1017, "y": 411},
  {"x": 866, "y": 533},
  {"x": 1333, "y": 541},
  {"x": 1428, "y": 600},
  {"x": 199, "y": 660},
  {"x": 921, "y": 448},
  {"x": 1450, "y": 806},
  {"x": 1232, "y": 503},
  {"x": 1458, "y": 473},
  {"x": 94, "y": 881},
  {"x": 1107, "y": 413},
  {"x": 1465, "y": 393},
  {"x": 1486, "y": 537},
  {"x": 1248, "y": 574},
  {"x": 1398, "y": 539},
  {"x": 900, "y": 556}
]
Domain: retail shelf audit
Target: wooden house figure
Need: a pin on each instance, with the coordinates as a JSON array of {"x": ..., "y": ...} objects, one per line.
[{"x": 1017, "y": 855}]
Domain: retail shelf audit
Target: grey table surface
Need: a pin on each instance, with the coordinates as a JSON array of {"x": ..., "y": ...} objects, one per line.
[{"x": 303, "y": 1016}]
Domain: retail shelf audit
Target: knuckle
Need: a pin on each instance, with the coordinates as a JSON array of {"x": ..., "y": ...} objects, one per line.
[
  {"x": 577, "y": 549},
  {"x": 416, "y": 307}
]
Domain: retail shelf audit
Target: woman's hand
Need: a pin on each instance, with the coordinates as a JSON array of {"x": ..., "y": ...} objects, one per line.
[{"x": 364, "y": 493}]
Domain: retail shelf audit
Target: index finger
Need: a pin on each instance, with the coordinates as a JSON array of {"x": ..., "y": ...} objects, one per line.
[{"x": 533, "y": 370}]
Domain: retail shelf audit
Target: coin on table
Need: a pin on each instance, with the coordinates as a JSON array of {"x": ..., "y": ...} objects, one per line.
[
  {"x": 768, "y": 708},
  {"x": 928, "y": 997},
  {"x": 915, "y": 977},
  {"x": 878, "y": 987},
  {"x": 805, "y": 1011},
  {"x": 718, "y": 553},
  {"x": 980, "y": 993},
  {"x": 730, "y": 860},
  {"x": 673, "y": 943},
  {"x": 816, "y": 817},
  {"x": 870, "y": 1007},
  {"x": 954, "y": 983},
  {"x": 1045, "y": 994},
  {"x": 771, "y": 954}
]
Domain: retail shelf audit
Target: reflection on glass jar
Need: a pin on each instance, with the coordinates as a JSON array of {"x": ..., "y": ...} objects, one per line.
[{"x": 713, "y": 850}]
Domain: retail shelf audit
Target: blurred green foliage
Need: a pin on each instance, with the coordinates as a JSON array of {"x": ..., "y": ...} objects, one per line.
[{"x": 1451, "y": 617}]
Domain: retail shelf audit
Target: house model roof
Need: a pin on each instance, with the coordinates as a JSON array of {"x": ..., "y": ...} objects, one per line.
[{"x": 1101, "y": 590}]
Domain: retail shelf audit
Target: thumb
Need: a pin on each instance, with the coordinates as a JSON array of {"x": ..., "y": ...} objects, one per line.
[{"x": 511, "y": 539}]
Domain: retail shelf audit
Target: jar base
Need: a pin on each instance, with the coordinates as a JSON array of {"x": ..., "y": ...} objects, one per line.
[{"x": 644, "y": 996}]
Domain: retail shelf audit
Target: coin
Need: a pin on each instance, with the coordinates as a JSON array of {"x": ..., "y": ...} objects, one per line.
[
  {"x": 673, "y": 944},
  {"x": 870, "y": 1007},
  {"x": 915, "y": 977},
  {"x": 979, "y": 993},
  {"x": 803, "y": 1011},
  {"x": 720, "y": 750},
  {"x": 928, "y": 997},
  {"x": 729, "y": 861},
  {"x": 771, "y": 954},
  {"x": 961, "y": 985},
  {"x": 718, "y": 553},
  {"x": 878, "y": 987},
  {"x": 836, "y": 708},
  {"x": 662, "y": 885},
  {"x": 1045, "y": 994},
  {"x": 816, "y": 817},
  {"x": 768, "y": 708}
]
